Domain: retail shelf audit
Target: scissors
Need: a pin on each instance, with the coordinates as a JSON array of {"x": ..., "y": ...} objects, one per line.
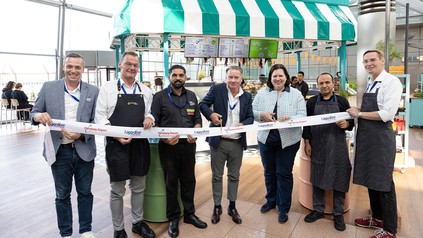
[{"x": 221, "y": 129}]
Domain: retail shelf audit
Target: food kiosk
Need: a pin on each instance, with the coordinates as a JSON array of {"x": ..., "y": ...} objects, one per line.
[{"x": 168, "y": 25}]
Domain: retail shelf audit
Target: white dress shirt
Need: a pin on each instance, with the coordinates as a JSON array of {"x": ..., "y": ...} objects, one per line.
[
  {"x": 71, "y": 107},
  {"x": 107, "y": 99},
  {"x": 233, "y": 113},
  {"x": 389, "y": 95}
]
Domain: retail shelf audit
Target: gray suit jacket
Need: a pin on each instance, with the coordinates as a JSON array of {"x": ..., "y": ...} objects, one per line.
[{"x": 51, "y": 99}]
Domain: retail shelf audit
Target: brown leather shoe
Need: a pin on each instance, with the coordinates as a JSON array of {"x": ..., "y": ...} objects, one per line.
[
  {"x": 217, "y": 211},
  {"x": 235, "y": 216}
]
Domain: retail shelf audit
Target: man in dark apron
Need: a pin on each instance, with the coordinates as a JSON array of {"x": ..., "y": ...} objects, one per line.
[
  {"x": 176, "y": 106},
  {"x": 375, "y": 145},
  {"x": 326, "y": 146},
  {"x": 126, "y": 102}
]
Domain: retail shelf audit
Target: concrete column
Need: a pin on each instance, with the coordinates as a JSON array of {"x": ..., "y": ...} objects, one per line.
[{"x": 371, "y": 29}]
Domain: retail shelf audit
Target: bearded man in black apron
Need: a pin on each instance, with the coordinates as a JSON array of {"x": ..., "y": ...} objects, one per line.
[
  {"x": 326, "y": 146},
  {"x": 375, "y": 144},
  {"x": 126, "y": 102},
  {"x": 176, "y": 106}
]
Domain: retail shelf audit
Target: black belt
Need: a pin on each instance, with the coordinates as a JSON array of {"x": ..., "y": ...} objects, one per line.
[
  {"x": 68, "y": 146},
  {"x": 228, "y": 139}
]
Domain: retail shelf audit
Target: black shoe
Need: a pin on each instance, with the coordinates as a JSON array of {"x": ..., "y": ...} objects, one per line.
[
  {"x": 217, "y": 211},
  {"x": 339, "y": 222},
  {"x": 235, "y": 215},
  {"x": 120, "y": 234},
  {"x": 142, "y": 229},
  {"x": 314, "y": 216},
  {"x": 266, "y": 208},
  {"x": 173, "y": 228},
  {"x": 194, "y": 220},
  {"x": 283, "y": 217}
]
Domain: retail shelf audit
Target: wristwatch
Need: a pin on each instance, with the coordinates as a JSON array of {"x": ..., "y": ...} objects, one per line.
[{"x": 360, "y": 114}]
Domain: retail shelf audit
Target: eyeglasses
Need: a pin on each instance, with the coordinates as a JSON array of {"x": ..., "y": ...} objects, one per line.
[
  {"x": 129, "y": 65},
  {"x": 371, "y": 60}
]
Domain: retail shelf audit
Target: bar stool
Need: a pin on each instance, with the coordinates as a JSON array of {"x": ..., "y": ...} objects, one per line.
[
  {"x": 17, "y": 111},
  {"x": 8, "y": 110}
]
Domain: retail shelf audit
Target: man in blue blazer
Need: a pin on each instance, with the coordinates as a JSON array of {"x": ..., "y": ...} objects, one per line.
[
  {"x": 73, "y": 100},
  {"x": 232, "y": 107}
]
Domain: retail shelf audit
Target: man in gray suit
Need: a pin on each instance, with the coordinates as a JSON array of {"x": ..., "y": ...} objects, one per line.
[{"x": 73, "y": 100}]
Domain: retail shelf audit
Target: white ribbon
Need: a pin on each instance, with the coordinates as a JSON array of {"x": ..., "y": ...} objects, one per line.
[{"x": 167, "y": 132}]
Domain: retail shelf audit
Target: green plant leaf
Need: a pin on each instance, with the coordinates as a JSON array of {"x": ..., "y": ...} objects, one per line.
[{"x": 393, "y": 52}]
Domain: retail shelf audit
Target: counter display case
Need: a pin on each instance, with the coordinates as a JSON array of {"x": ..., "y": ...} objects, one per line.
[{"x": 401, "y": 125}]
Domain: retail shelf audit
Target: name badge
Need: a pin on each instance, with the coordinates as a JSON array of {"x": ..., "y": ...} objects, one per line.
[{"x": 190, "y": 111}]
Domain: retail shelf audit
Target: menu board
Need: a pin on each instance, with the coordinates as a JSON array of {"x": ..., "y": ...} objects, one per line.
[
  {"x": 233, "y": 48},
  {"x": 267, "y": 49},
  {"x": 201, "y": 47}
]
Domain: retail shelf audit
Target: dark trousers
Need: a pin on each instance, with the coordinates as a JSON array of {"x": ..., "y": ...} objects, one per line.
[
  {"x": 278, "y": 163},
  {"x": 384, "y": 207},
  {"x": 69, "y": 165},
  {"x": 178, "y": 163},
  {"x": 319, "y": 201}
]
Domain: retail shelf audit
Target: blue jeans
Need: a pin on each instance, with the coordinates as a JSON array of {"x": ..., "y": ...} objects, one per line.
[
  {"x": 278, "y": 163},
  {"x": 68, "y": 164}
]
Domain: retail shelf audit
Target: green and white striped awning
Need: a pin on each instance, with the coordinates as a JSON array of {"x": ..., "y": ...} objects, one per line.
[{"x": 329, "y": 20}]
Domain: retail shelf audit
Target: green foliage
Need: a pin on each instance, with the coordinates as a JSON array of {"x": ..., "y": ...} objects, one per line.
[
  {"x": 393, "y": 52},
  {"x": 418, "y": 95},
  {"x": 353, "y": 85},
  {"x": 342, "y": 92},
  {"x": 201, "y": 75}
]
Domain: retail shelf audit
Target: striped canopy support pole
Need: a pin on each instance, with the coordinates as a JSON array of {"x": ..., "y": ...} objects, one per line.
[
  {"x": 166, "y": 59},
  {"x": 342, "y": 52},
  {"x": 117, "y": 56},
  {"x": 298, "y": 61}
]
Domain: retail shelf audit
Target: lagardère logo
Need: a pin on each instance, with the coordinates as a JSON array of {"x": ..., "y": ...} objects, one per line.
[
  {"x": 59, "y": 125},
  {"x": 329, "y": 118},
  {"x": 202, "y": 133},
  {"x": 132, "y": 133},
  {"x": 265, "y": 125}
]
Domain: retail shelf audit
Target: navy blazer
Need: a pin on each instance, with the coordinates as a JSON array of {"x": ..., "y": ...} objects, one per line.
[
  {"x": 51, "y": 99},
  {"x": 218, "y": 98}
]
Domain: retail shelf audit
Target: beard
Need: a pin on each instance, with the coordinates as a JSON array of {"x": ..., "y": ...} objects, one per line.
[{"x": 177, "y": 84}]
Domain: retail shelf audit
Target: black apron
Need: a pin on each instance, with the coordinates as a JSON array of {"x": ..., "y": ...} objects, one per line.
[
  {"x": 132, "y": 159},
  {"x": 376, "y": 148},
  {"x": 330, "y": 163}
]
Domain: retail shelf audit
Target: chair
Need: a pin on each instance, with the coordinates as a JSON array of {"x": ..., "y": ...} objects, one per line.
[
  {"x": 16, "y": 111},
  {"x": 5, "y": 107}
]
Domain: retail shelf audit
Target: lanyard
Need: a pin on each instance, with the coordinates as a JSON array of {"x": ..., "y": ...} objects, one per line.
[
  {"x": 74, "y": 98},
  {"x": 373, "y": 85},
  {"x": 123, "y": 88},
  {"x": 171, "y": 99},
  {"x": 233, "y": 107}
]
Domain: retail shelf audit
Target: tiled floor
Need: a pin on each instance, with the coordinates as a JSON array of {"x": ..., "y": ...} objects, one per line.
[
  {"x": 256, "y": 224},
  {"x": 28, "y": 195}
]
